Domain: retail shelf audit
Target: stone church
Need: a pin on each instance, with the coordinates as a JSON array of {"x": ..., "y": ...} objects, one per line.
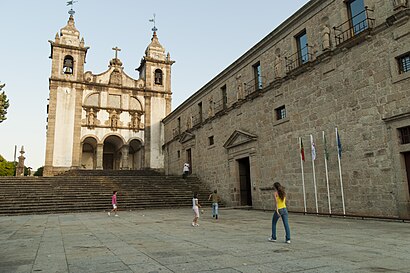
[
  {"x": 108, "y": 120},
  {"x": 321, "y": 104}
]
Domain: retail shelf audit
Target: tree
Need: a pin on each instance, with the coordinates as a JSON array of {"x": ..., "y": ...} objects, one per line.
[
  {"x": 39, "y": 171},
  {"x": 4, "y": 104},
  {"x": 6, "y": 168}
]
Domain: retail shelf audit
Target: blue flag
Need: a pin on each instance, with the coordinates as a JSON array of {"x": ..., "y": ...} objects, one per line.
[{"x": 339, "y": 146}]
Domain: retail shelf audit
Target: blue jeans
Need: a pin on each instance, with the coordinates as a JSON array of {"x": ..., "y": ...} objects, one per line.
[
  {"x": 284, "y": 215},
  {"x": 214, "y": 209}
]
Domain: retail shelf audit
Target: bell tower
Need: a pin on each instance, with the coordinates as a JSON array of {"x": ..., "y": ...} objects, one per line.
[
  {"x": 68, "y": 55},
  {"x": 155, "y": 70}
]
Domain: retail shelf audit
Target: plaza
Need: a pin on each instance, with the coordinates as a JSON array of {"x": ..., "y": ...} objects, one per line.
[{"x": 163, "y": 240}]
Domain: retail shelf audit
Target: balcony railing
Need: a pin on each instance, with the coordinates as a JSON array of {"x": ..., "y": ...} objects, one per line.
[
  {"x": 255, "y": 85},
  {"x": 299, "y": 58},
  {"x": 354, "y": 26},
  {"x": 197, "y": 119},
  {"x": 219, "y": 106}
]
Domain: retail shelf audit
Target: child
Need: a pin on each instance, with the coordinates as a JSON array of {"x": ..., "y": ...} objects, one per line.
[
  {"x": 281, "y": 211},
  {"x": 215, "y": 199},
  {"x": 195, "y": 207},
  {"x": 114, "y": 203}
]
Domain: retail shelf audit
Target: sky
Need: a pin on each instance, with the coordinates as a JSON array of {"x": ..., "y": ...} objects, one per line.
[{"x": 203, "y": 37}]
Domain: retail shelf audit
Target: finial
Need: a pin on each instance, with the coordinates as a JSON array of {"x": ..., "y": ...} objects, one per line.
[
  {"x": 116, "y": 51},
  {"x": 154, "y": 29},
  {"x": 71, "y": 3}
]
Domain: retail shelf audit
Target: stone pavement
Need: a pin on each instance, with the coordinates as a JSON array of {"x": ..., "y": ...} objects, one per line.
[{"x": 164, "y": 241}]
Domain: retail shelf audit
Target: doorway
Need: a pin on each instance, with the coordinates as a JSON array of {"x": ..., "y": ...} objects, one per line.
[
  {"x": 407, "y": 161},
  {"x": 245, "y": 181},
  {"x": 189, "y": 159}
]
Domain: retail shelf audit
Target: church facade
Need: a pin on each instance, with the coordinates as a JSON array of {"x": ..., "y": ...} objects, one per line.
[
  {"x": 108, "y": 120},
  {"x": 321, "y": 104}
]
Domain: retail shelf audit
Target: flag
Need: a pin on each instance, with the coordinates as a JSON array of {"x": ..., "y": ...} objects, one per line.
[
  {"x": 325, "y": 143},
  {"x": 302, "y": 151},
  {"x": 339, "y": 146},
  {"x": 313, "y": 150}
]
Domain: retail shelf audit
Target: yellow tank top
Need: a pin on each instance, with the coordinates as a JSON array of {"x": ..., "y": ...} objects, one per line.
[{"x": 281, "y": 203}]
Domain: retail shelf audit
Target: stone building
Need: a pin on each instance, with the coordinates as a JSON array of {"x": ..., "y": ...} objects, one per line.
[
  {"x": 332, "y": 64},
  {"x": 107, "y": 120}
]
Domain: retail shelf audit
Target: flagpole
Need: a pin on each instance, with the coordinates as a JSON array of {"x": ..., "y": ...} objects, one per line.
[
  {"x": 340, "y": 171},
  {"x": 303, "y": 174},
  {"x": 327, "y": 173},
  {"x": 314, "y": 174}
]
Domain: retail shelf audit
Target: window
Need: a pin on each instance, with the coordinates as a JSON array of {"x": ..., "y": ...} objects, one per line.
[
  {"x": 258, "y": 75},
  {"x": 224, "y": 97},
  {"x": 211, "y": 140},
  {"x": 158, "y": 76},
  {"x": 179, "y": 153},
  {"x": 302, "y": 44},
  {"x": 280, "y": 112},
  {"x": 179, "y": 125},
  {"x": 357, "y": 15},
  {"x": 404, "y": 63},
  {"x": 200, "y": 112},
  {"x": 405, "y": 135},
  {"x": 68, "y": 65}
]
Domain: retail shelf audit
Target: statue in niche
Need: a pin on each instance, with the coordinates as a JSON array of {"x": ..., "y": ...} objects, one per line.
[
  {"x": 211, "y": 108},
  {"x": 91, "y": 118},
  {"x": 399, "y": 4},
  {"x": 114, "y": 120},
  {"x": 325, "y": 37},
  {"x": 239, "y": 91},
  {"x": 278, "y": 67},
  {"x": 136, "y": 122}
]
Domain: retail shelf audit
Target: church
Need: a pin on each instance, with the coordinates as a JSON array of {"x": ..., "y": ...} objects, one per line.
[{"x": 107, "y": 120}]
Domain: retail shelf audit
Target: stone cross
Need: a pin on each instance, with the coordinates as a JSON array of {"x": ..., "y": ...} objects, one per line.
[{"x": 116, "y": 51}]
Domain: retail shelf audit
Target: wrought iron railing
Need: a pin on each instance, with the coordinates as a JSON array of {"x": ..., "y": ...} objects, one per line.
[
  {"x": 219, "y": 106},
  {"x": 354, "y": 26},
  {"x": 299, "y": 58},
  {"x": 255, "y": 85},
  {"x": 197, "y": 119}
]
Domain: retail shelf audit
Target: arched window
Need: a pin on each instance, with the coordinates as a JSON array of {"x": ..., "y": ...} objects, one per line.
[
  {"x": 158, "y": 76},
  {"x": 68, "y": 65}
]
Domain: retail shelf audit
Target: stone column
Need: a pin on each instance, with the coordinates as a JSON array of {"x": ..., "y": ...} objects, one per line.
[
  {"x": 100, "y": 150},
  {"x": 124, "y": 157},
  {"x": 20, "y": 164}
]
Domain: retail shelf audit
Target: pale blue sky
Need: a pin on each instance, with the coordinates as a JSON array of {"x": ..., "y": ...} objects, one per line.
[{"x": 203, "y": 37}]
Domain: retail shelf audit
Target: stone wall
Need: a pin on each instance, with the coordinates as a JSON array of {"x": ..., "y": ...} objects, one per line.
[{"x": 354, "y": 86}]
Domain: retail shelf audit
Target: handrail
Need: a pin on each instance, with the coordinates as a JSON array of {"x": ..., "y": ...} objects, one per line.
[
  {"x": 348, "y": 29},
  {"x": 254, "y": 85}
]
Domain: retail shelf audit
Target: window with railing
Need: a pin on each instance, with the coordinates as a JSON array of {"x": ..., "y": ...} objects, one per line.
[
  {"x": 404, "y": 63},
  {"x": 359, "y": 21},
  {"x": 302, "y": 44},
  {"x": 404, "y": 135},
  {"x": 250, "y": 87},
  {"x": 299, "y": 58}
]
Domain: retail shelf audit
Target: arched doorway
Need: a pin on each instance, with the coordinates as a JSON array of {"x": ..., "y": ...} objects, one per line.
[
  {"x": 136, "y": 155},
  {"x": 112, "y": 153},
  {"x": 88, "y": 155}
]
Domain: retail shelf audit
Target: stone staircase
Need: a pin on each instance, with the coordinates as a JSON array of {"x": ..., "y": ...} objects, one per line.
[{"x": 84, "y": 190}]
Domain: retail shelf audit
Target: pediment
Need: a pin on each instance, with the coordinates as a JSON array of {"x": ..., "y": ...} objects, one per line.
[
  {"x": 239, "y": 137},
  {"x": 185, "y": 137}
]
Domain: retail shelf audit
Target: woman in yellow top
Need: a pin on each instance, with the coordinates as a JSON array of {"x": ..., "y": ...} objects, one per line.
[{"x": 281, "y": 211}]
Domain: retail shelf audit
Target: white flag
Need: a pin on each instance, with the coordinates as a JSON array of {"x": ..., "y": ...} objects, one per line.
[{"x": 313, "y": 148}]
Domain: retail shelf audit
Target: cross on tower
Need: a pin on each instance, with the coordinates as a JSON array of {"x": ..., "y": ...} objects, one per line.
[
  {"x": 116, "y": 51},
  {"x": 154, "y": 29},
  {"x": 71, "y": 3}
]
